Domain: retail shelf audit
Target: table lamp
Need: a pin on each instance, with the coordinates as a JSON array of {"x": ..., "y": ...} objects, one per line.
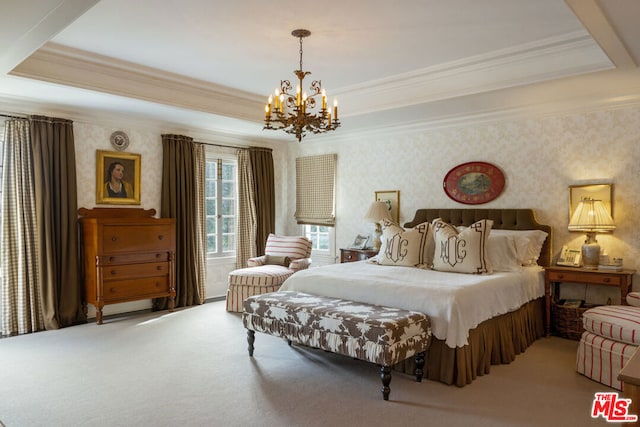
[
  {"x": 376, "y": 213},
  {"x": 591, "y": 216}
]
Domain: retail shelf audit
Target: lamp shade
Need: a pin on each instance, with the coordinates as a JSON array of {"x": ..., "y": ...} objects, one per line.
[
  {"x": 377, "y": 212},
  {"x": 591, "y": 216}
]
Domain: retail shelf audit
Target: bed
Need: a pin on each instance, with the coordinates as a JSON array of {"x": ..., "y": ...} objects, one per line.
[{"x": 469, "y": 336}]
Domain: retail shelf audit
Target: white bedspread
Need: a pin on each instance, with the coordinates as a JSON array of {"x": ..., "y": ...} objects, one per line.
[{"x": 455, "y": 302}]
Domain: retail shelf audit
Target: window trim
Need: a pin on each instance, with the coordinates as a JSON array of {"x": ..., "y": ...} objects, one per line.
[{"x": 211, "y": 155}]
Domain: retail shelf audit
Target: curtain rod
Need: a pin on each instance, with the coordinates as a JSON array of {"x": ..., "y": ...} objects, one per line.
[
  {"x": 12, "y": 117},
  {"x": 233, "y": 146}
]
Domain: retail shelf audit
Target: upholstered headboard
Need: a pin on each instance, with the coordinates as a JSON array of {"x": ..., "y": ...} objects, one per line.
[{"x": 507, "y": 219}]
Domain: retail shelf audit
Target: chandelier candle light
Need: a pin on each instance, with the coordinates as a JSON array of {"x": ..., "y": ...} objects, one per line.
[{"x": 293, "y": 112}]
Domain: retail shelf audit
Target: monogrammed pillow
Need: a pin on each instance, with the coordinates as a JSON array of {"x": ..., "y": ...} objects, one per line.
[
  {"x": 461, "y": 251},
  {"x": 410, "y": 248}
]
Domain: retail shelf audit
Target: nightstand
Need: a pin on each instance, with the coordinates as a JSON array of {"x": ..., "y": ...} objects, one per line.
[
  {"x": 352, "y": 255},
  {"x": 557, "y": 275}
]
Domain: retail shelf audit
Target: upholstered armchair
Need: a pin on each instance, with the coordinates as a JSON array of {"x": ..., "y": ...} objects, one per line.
[
  {"x": 284, "y": 255},
  {"x": 611, "y": 336}
]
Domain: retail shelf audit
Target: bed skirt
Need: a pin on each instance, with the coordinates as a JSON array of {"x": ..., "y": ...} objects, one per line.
[{"x": 496, "y": 341}]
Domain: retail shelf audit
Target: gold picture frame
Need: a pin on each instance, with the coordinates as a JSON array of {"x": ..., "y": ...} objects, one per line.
[
  {"x": 392, "y": 199},
  {"x": 125, "y": 164},
  {"x": 602, "y": 192}
]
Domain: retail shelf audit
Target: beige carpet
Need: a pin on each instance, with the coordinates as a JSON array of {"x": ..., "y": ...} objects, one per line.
[{"x": 191, "y": 368}]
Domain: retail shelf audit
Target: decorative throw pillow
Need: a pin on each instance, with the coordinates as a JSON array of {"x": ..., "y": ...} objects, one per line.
[
  {"x": 464, "y": 251},
  {"x": 410, "y": 248},
  {"x": 277, "y": 260},
  {"x": 387, "y": 224}
]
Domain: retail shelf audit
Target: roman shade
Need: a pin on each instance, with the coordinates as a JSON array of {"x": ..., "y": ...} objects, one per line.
[{"x": 315, "y": 189}]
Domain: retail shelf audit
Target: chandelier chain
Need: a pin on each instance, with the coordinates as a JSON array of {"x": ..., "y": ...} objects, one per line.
[{"x": 300, "y": 53}]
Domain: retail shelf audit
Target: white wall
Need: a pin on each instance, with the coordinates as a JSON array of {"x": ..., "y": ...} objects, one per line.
[{"x": 540, "y": 158}]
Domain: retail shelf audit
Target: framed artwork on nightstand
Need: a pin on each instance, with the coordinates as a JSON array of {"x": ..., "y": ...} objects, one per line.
[
  {"x": 392, "y": 199},
  {"x": 360, "y": 242},
  {"x": 602, "y": 192}
]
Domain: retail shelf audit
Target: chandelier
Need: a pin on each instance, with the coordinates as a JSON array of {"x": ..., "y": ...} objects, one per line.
[{"x": 294, "y": 112}]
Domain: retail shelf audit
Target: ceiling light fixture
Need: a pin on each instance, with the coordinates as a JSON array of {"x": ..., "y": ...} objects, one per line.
[{"x": 292, "y": 111}]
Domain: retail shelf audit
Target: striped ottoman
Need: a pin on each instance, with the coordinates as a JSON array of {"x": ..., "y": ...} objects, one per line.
[
  {"x": 247, "y": 282},
  {"x": 612, "y": 334}
]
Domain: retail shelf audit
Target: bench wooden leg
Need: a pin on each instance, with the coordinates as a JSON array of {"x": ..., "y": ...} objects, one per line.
[
  {"x": 251, "y": 337},
  {"x": 419, "y": 366},
  {"x": 385, "y": 376}
]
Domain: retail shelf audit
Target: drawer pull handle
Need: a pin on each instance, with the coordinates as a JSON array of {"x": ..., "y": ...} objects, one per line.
[
  {"x": 114, "y": 238},
  {"x": 159, "y": 268},
  {"x": 161, "y": 237},
  {"x": 607, "y": 280},
  {"x": 158, "y": 255},
  {"x": 560, "y": 276},
  {"x": 112, "y": 258},
  {"x": 113, "y": 272}
]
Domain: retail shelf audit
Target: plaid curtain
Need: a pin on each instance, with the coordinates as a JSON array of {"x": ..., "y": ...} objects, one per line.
[
  {"x": 246, "y": 245},
  {"x": 199, "y": 170},
  {"x": 21, "y": 298}
]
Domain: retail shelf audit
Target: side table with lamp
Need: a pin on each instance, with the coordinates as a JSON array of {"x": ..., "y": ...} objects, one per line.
[{"x": 590, "y": 216}]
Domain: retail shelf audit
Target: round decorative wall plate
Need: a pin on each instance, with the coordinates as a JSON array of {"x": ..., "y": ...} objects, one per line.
[
  {"x": 474, "y": 183},
  {"x": 119, "y": 140}
]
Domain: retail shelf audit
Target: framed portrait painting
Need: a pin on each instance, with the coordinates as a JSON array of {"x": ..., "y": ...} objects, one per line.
[
  {"x": 392, "y": 199},
  {"x": 117, "y": 178}
]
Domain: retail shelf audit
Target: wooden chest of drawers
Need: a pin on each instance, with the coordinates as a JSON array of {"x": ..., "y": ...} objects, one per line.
[{"x": 127, "y": 255}]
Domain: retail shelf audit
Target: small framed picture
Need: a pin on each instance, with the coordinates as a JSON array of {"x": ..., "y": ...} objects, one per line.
[
  {"x": 117, "y": 178},
  {"x": 392, "y": 199},
  {"x": 602, "y": 192},
  {"x": 360, "y": 242}
]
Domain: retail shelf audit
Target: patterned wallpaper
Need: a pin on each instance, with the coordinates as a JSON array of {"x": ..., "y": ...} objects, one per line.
[{"x": 540, "y": 158}]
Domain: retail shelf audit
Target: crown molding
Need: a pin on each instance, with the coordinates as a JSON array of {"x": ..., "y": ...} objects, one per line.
[
  {"x": 218, "y": 134},
  {"x": 552, "y": 58},
  {"x": 538, "y": 101},
  {"x": 67, "y": 66}
]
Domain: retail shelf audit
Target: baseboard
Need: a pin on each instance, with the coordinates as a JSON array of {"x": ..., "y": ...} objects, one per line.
[{"x": 142, "y": 311}]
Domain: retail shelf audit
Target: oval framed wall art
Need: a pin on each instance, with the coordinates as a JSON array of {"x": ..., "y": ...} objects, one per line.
[{"x": 474, "y": 183}]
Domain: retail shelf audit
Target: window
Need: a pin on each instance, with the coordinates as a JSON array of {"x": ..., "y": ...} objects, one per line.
[
  {"x": 221, "y": 205},
  {"x": 323, "y": 247},
  {"x": 319, "y": 235}
]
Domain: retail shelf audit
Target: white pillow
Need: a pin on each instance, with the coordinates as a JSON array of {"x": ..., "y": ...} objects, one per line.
[
  {"x": 461, "y": 251},
  {"x": 502, "y": 253},
  {"x": 410, "y": 248},
  {"x": 528, "y": 243}
]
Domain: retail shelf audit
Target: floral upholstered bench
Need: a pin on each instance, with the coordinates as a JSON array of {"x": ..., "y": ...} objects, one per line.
[{"x": 381, "y": 335}]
